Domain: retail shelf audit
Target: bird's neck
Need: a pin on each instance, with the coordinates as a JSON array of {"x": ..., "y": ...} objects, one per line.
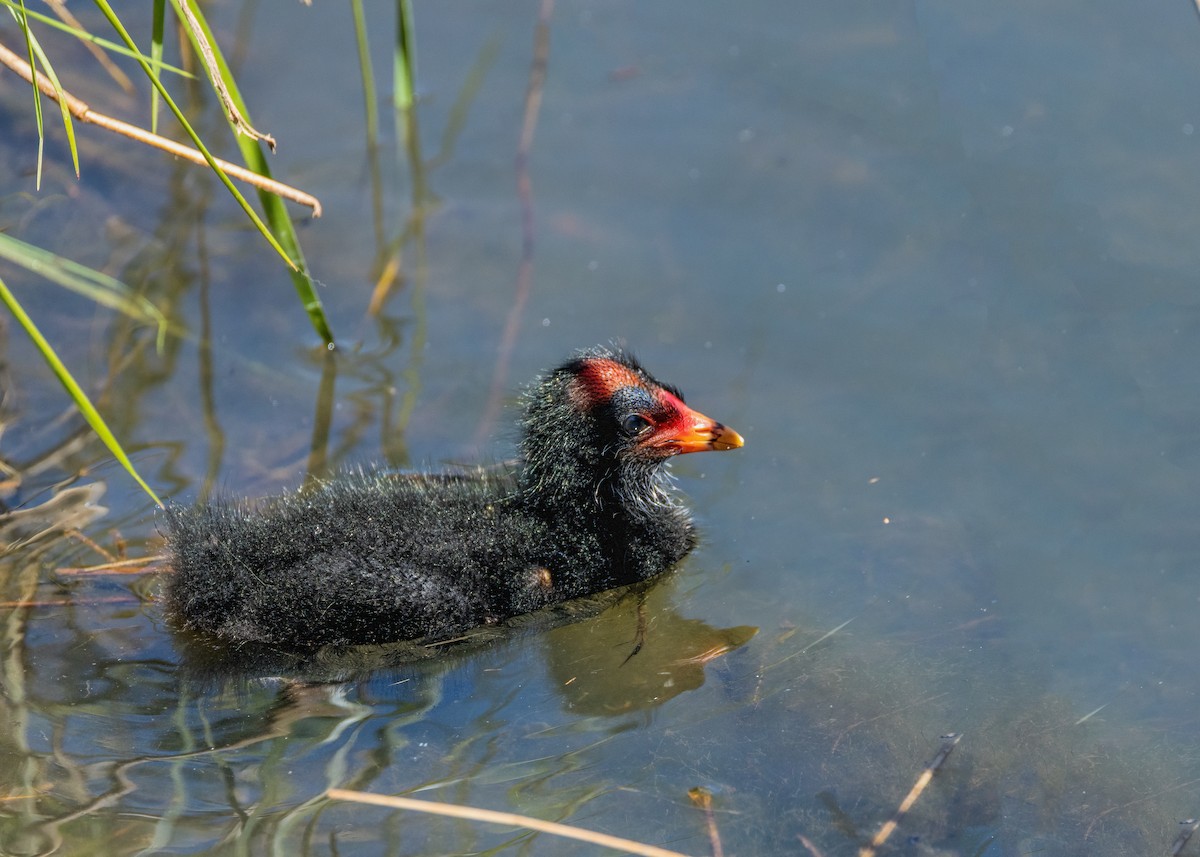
[
  {"x": 571, "y": 480},
  {"x": 573, "y": 491},
  {"x": 605, "y": 527}
]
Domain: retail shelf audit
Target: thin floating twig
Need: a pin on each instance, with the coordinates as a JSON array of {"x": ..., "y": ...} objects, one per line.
[
  {"x": 702, "y": 798},
  {"x": 141, "y": 565},
  {"x": 78, "y": 535},
  {"x": 808, "y": 843},
  {"x": 1090, "y": 714},
  {"x": 819, "y": 640},
  {"x": 891, "y": 712},
  {"x": 63, "y": 602},
  {"x": 948, "y": 744},
  {"x": 508, "y": 819},
  {"x": 1181, "y": 841}
]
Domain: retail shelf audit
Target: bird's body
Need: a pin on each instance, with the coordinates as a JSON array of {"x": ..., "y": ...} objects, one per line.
[{"x": 371, "y": 558}]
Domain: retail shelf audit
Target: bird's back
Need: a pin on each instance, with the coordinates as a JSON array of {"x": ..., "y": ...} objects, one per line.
[{"x": 364, "y": 558}]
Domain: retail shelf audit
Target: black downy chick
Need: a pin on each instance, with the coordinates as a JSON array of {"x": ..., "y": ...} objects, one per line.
[{"x": 373, "y": 558}]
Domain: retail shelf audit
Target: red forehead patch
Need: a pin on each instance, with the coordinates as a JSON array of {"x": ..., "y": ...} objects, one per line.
[{"x": 599, "y": 378}]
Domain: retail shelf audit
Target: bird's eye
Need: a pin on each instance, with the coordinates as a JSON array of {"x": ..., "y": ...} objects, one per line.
[{"x": 634, "y": 424}]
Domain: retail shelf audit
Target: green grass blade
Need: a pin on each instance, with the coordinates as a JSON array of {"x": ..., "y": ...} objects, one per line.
[
  {"x": 85, "y": 281},
  {"x": 368, "y": 78},
  {"x": 73, "y": 389},
  {"x": 107, "y": 44},
  {"x": 404, "y": 60},
  {"x": 116, "y": 24},
  {"x": 273, "y": 206},
  {"x": 68, "y": 124},
  {"x": 156, "y": 52},
  {"x": 23, "y": 23}
]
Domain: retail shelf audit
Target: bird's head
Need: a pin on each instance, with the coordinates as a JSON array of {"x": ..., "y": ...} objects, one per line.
[{"x": 601, "y": 423}]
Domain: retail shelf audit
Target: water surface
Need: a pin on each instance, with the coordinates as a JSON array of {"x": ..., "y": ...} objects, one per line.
[{"x": 935, "y": 261}]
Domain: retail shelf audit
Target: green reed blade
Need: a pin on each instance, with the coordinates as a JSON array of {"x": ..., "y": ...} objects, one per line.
[
  {"x": 273, "y": 206},
  {"x": 92, "y": 284},
  {"x": 99, "y": 426},
  {"x": 116, "y": 24}
]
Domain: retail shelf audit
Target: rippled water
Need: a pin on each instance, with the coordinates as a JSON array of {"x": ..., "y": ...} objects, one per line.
[{"x": 934, "y": 261}]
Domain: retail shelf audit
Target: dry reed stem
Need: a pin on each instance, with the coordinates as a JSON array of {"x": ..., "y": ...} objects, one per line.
[
  {"x": 74, "y": 602},
  {"x": 140, "y": 565},
  {"x": 79, "y": 536},
  {"x": 923, "y": 781},
  {"x": 236, "y": 118},
  {"x": 114, "y": 71},
  {"x": 508, "y": 819},
  {"x": 81, "y": 111}
]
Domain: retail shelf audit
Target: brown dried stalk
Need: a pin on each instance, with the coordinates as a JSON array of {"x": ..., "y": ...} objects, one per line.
[
  {"x": 81, "y": 111},
  {"x": 64, "y": 14},
  {"x": 509, "y": 819},
  {"x": 236, "y": 118},
  {"x": 923, "y": 781},
  {"x": 702, "y": 798}
]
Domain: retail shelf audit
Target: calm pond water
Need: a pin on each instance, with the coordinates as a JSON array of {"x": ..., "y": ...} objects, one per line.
[{"x": 935, "y": 261}]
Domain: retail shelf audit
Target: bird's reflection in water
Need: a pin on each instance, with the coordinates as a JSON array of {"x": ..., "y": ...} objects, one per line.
[
  {"x": 610, "y": 654},
  {"x": 635, "y": 655}
]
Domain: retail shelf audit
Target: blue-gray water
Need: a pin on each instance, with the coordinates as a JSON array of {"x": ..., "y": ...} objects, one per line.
[{"x": 935, "y": 261}]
